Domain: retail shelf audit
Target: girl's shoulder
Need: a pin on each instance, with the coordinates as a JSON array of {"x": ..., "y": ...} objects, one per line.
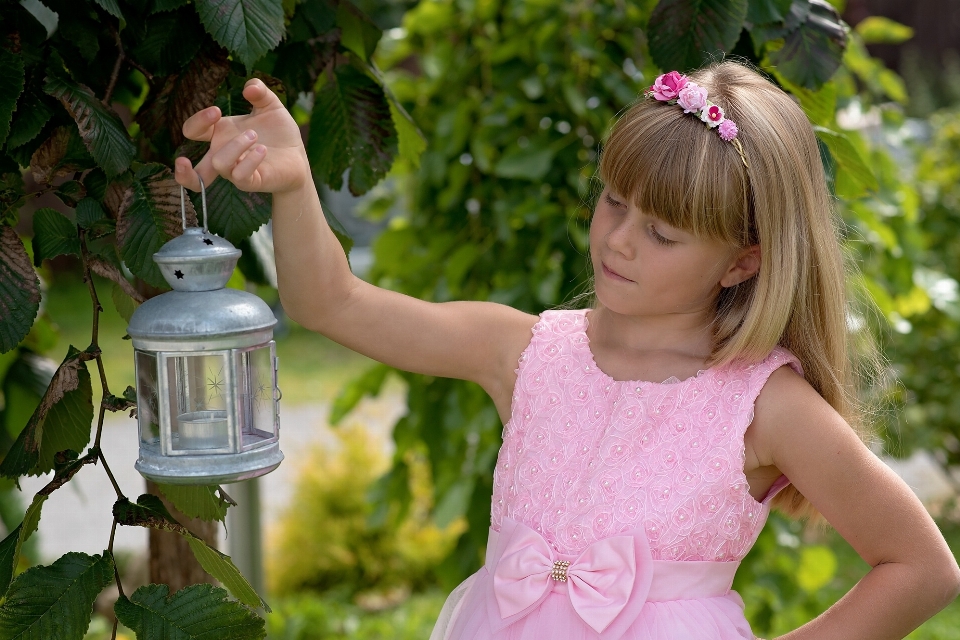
[{"x": 754, "y": 375}]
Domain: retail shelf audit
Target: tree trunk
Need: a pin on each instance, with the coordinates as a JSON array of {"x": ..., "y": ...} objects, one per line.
[{"x": 171, "y": 561}]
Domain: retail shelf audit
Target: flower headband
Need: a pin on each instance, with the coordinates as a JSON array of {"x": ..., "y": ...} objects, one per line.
[{"x": 674, "y": 88}]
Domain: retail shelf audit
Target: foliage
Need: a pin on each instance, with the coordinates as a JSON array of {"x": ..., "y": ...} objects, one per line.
[
  {"x": 310, "y": 617},
  {"x": 923, "y": 355},
  {"x": 326, "y": 542},
  {"x": 93, "y": 95}
]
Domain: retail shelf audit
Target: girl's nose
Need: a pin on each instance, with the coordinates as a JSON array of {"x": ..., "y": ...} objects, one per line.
[{"x": 621, "y": 239}]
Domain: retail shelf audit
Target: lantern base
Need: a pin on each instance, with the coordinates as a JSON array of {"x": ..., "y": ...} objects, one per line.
[{"x": 208, "y": 469}]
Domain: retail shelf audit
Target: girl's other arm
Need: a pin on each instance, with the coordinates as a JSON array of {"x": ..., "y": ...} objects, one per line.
[
  {"x": 264, "y": 152},
  {"x": 914, "y": 574}
]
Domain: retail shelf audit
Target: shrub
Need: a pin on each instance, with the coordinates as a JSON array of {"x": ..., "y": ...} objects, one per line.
[{"x": 328, "y": 542}]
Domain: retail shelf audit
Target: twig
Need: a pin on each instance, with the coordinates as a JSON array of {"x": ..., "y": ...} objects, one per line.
[
  {"x": 116, "y": 68},
  {"x": 139, "y": 67},
  {"x": 116, "y": 573},
  {"x": 113, "y": 480}
]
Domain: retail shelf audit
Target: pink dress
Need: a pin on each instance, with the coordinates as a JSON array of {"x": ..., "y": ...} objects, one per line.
[{"x": 620, "y": 508}]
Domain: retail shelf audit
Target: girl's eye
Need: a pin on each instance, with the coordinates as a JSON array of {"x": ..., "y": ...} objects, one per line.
[
  {"x": 612, "y": 202},
  {"x": 659, "y": 238}
]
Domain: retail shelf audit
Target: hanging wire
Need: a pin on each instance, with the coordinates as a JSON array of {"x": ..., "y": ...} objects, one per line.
[{"x": 203, "y": 200}]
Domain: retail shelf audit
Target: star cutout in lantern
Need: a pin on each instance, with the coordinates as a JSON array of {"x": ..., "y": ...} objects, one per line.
[
  {"x": 207, "y": 241},
  {"x": 179, "y": 274}
]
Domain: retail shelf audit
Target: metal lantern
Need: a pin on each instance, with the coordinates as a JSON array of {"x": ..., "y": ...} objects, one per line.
[{"x": 206, "y": 366}]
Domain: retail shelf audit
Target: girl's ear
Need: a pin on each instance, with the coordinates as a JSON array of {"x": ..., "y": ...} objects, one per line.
[{"x": 746, "y": 264}]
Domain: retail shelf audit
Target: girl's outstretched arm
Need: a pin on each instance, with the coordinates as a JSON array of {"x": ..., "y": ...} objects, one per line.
[
  {"x": 263, "y": 151},
  {"x": 914, "y": 574}
]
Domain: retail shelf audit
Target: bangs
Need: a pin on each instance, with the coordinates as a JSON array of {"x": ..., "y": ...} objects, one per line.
[{"x": 672, "y": 166}]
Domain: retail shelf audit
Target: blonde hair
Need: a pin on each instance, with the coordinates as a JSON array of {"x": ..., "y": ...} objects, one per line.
[{"x": 672, "y": 166}]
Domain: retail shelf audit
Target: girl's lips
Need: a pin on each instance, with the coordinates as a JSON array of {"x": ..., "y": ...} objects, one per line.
[{"x": 613, "y": 274}]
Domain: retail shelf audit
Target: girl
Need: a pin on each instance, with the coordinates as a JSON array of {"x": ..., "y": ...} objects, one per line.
[{"x": 647, "y": 437}]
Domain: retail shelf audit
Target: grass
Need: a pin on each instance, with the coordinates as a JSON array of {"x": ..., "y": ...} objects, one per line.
[{"x": 312, "y": 368}]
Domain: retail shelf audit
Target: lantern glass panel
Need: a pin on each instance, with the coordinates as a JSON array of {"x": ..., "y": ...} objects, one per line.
[
  {"x": 259, "y": 407},
  {"x": 148, "y": 398},
  {"x": 199, "y": 386}
]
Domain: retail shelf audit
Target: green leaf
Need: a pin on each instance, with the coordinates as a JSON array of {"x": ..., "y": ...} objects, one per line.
[
  {"x": 11, "y": 86},
  {"x": 8, "y": 558},
  {"x": 766, "y": 11},
  {"x": 196, "y": 612},
  {"x": 368, "y": 383},
  {"x": 147, "y": 511},
  {"x": 33, "y": 112},
  {"x": 124, "y": 304},
  {"x": 53, "y": 235},
  {"x": 820, "y": 105},
  {"x": 71, "y": 377},
  {"x": 89, "y": 212},
  {"x": 55, "y": 601},
  {"x": 880, "y": 30},
  {"x": 248, "y": 28},
  {"x": 149, "y": 217},
  {"x": 19, "y": 290},
  {"x": 358, "y": 33},
  {"x": 411, "y": 143},
  {"x": 101, "y": 129},
  {"x": 684, "y": 34},
  {"x": 171, "y": 40},
  {"x": 71, "y": 192},
  {"x": 222, "y": 568},
  {"x": 351, "y": 128},
  {"x": 12, "y": 545},
  {"x": 111, "y": 7},
  {"x": 532, "y": 163},
  {"x": 234, "y": 214},
  {"x": 812, "y": 53},
  {"x": 197, "y": 501},
  {"x": 848, "y": 158},
  {"x": 68, "y": 423}
]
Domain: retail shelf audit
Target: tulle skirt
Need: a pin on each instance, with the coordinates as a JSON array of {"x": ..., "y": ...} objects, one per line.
[
  {"x": 465, "y": 617},
  {"x": 660, "y": 601}
]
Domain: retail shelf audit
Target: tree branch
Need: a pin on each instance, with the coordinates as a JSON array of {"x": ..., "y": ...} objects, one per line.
[{"x": 121, "y": 56}]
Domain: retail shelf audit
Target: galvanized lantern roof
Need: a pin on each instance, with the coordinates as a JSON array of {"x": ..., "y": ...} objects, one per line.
[{"x": 199, "y": 261}]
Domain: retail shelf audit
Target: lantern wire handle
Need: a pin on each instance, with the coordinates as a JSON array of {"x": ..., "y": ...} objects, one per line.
[
  {"x": 203, "y": 199},
  {"x": 183, "y": 205}
]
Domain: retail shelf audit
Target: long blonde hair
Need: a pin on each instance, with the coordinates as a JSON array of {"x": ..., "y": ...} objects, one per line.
[{"x": 672, "y": 166}]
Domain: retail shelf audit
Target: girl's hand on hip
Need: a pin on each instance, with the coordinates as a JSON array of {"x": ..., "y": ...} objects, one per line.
[{"x": 261, "y": 151}]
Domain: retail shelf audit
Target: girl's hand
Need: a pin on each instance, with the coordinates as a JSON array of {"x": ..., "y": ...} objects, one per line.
[{"x": 262, "y": 151}]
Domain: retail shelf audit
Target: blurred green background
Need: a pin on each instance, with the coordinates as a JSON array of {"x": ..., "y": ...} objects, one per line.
[{"x": 385, "y": 549}]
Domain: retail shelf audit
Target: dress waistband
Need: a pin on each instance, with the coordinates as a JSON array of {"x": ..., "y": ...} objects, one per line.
[{"x": 608, "y": 583}]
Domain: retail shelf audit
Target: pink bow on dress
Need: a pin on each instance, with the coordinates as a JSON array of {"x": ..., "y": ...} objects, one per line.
[{"x": 610, "y": 578}]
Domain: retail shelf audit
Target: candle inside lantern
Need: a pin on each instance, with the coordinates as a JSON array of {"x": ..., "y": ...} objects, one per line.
[{"x": 202, "y": 430}]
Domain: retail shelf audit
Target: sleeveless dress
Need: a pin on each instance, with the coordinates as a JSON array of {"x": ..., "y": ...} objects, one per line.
[{"x": 620, "y": 508}]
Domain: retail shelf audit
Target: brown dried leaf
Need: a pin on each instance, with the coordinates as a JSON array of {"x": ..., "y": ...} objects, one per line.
[
  {"x": 106, "y": 270},
  {"x": 19, "y": 290},
  {"x": 46, "y": 162},
  {"x": 183, "y": 95}
]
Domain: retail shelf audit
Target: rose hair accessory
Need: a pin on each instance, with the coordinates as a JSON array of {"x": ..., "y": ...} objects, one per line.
[{"x": 678, "y": 89}]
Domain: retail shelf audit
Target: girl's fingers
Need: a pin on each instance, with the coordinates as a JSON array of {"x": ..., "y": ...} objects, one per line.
[
  {"x": 185, "y": 174},
  {"x": 260, "y": 96},
  {"x": 224, "y": 159},
  {"x": 199, "y": 126},
  {"x": 244, "y": 173}
]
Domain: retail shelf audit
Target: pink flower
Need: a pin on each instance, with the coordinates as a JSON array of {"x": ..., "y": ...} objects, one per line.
[
  {"x": 667, "y": 86},
  {"x": 728, "y": 130},
  {"x": 692, "y": 97},
  {"x": 712, "y": 115}
]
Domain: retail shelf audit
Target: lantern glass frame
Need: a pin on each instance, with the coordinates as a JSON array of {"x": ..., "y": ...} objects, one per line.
[{"x": 168, "y": 381}]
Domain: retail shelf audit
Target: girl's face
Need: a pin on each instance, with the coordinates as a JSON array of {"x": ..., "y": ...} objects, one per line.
[{"x": 644, "y": 267}]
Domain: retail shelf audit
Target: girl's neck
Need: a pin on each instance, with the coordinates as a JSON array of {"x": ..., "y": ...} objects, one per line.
[{"x": 688, "y": 336}]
